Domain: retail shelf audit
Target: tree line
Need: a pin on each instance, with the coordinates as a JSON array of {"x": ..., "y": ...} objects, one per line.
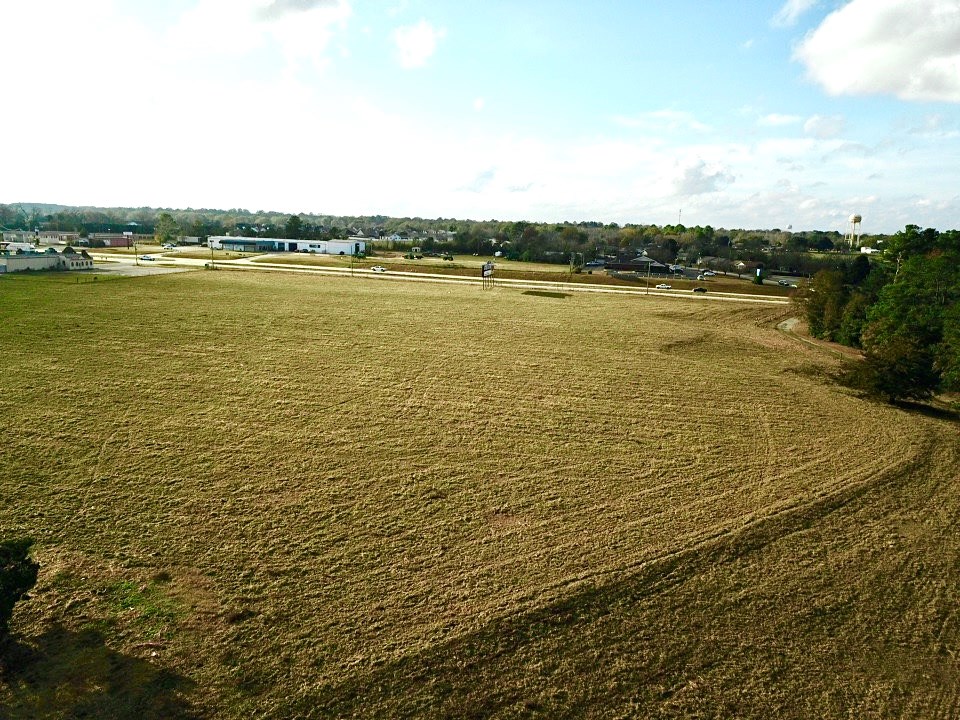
[
  {"x": 901, "y": 309},
  {"x": 800, "y": 253}
]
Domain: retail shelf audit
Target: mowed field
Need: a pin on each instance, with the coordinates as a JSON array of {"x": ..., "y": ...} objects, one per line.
[{"x": 266, "y": 495}]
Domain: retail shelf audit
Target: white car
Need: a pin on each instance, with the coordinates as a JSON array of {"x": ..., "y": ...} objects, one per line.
[
  {"x": 709, "y": 273},
  {"x": 378, "y": 268},
  {"x": 169, "y": 246},
  {"x": 147, "y": 257},
  {"x": 663, "y": 286}
]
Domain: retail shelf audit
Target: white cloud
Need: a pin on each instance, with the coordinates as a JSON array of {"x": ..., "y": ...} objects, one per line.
[
  {"x": 279, "y": 8},
  {"x": 661, "y": 121},
  {"x": 417, "y": 43},
  {"x": 824, "y": 127},
  {"x": 936, "y": 126},
  {"x": 698, "y": 178},
  {"x": 889, "y": 47},
  {"x": 300, "y": 29},
  {"x": 778, "y": 120},
  {"x": 791, "y": 12}
]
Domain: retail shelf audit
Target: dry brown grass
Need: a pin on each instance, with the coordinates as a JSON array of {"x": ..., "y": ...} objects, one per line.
[{"x": 323, "y": 496}]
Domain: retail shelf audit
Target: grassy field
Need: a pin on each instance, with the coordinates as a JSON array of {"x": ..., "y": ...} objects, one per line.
[
  {"x": 262, "y": 495},
  {"x": 516, "y": 270}
]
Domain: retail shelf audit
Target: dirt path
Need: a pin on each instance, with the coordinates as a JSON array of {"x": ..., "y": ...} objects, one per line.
[{"x": 797, "y": 329}]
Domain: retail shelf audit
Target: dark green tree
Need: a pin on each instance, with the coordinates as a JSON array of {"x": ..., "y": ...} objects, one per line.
[
  {"x": 910, "y": 334},
  {"x": 857, "y": 271},
  {"x": 166, "y": 229},
  {"x": 900, "y": 369},
  {"x": 293, "y": 228},
  {"x": 824, "y": 304},
  {"x": 853, "y": 319},
  {"x": 948, "y": 361}
]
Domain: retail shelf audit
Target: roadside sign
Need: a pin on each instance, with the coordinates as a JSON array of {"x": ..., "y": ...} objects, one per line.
[{"x": 486, "y": 272}]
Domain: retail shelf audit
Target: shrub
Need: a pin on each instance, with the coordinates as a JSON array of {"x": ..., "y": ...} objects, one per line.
[{"x": 901, "y": 369}]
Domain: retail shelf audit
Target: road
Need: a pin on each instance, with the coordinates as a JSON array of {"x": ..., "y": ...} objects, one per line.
[{"x": 397, "y": 276}]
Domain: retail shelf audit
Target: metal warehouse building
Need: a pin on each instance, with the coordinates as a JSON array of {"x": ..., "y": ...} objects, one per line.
[{"x": 320, "y": 247}]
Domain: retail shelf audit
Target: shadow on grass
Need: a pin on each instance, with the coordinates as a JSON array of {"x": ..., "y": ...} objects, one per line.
[
  {"x": 74, "y": 674},
  {"x": 936, "y": 412},
  {"x": 546, "y": 294},
  {"x": 619, "y": 645}
]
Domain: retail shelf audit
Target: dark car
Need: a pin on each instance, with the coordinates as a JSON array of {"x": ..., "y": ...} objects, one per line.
[{"x": 699, "y": 289}]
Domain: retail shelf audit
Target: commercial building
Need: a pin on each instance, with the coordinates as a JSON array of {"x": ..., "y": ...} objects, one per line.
[
  {"x": 353, "y": 246},
  {"x": 47, "y": 260}
]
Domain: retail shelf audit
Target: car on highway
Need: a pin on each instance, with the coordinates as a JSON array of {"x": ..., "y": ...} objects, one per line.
[
  {"x": 708, "y": 273},
  {"x": 663, "y": 286},
  {"x": 169, "y": 246},
  {"x": 147, "y": 257},
  {"x": 378, "y": 268},
  {"x": 700, "y": 289}
]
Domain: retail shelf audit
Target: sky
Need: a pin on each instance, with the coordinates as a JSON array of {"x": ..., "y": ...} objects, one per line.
[{"x": 735, "y": 114}]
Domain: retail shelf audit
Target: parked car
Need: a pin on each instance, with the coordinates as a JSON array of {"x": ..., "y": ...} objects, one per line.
[
  {"x": 699, "y": 289},
  {"x": 664, "y": 286},
  {"x": 378, "y": 268}
]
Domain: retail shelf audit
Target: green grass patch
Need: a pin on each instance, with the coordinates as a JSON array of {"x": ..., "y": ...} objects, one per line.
[{"x": 153, "y": 613}]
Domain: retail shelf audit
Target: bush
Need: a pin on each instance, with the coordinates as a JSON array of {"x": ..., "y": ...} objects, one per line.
[
  {"x": 901, "y": 369},
  {"x": 18, "y": 573}
]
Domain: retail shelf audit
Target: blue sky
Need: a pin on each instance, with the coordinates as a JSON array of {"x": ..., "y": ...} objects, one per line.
[{"x": 759, "y": 115}]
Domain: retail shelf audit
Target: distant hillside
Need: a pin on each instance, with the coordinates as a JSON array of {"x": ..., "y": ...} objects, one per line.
[{"x": 43, "y": 208}]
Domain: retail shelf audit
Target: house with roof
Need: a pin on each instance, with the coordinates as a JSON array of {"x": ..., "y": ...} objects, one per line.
[{"x": 50, "y": 259}]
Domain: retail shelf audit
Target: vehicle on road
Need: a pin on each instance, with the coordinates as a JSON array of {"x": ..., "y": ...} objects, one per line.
[
  {"x": 708, "y": 273},
  {"x": 147, "y": 257},
  {"x": 700, "y": 289},
  {"x": 378, "y": 268},
  {"x": 664, "y": 286},
  {"x": 783, "y": 282},
  {"x": 169, "y": 246},
  {"x": 701, "y": 277}
]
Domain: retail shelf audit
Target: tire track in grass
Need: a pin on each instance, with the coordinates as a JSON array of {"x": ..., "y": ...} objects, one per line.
[{"x": 429, "y": 678}]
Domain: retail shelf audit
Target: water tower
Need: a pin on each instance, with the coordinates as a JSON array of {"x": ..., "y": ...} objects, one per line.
[{"x": 854, "y": 235}]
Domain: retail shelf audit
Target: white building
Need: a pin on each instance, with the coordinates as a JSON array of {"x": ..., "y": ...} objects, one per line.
[
  {"x": 353, "y": 246},
  {"x": 49, "y": 260}
]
